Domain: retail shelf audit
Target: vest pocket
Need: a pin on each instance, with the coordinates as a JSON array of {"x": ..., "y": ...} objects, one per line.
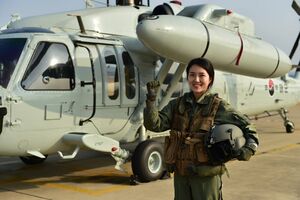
[
  {"x": 200, "y": 152},
  {"x": 172, "y": 144},
  {"x": 206, "y": 124}
]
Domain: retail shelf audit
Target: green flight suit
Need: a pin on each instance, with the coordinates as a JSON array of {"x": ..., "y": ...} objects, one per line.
[{"x": 205, "y": 183}]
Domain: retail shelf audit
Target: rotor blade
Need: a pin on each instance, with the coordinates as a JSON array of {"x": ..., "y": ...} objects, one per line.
[
  {"x": 297, "y": 67},
  {"x": 295, "y": 46},
  {"x": 296, "y": 6}
]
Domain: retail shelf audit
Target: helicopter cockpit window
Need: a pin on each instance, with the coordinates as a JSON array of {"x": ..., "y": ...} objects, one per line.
[
  {"x": 112, "y": 74},
  {"x": 10, "y": 51},
  {"x": 50, "y": 68},
  {"x": 129, "y": 75}
]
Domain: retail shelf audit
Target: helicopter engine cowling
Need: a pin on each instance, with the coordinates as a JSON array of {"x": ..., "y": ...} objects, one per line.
[{"x": 172, "y": 8}]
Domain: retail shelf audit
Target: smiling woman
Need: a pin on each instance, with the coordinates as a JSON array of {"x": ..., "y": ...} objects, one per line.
[
  {"x": 200, "y": 77},
  {"x": 191, "y": 119}
]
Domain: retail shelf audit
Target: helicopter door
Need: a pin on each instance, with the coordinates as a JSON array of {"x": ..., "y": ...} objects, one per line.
[
  {"x": 119, "y": 89},
  {"x": 87, "y": 68},
  {"x": 116, "y": 86},
  {"x": 43, "y": 99}
]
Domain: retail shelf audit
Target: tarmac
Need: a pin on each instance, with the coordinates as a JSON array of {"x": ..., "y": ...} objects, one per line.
[{"x": 272, "y": 174}]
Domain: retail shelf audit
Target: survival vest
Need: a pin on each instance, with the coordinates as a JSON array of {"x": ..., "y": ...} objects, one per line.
[{"x": 184, "y": 147}]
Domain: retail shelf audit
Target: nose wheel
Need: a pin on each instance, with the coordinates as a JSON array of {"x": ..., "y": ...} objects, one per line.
[{"x": 289, "y": 125}]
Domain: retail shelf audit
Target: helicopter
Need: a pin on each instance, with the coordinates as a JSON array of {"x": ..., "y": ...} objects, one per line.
[{"x": 77, "y": 80}]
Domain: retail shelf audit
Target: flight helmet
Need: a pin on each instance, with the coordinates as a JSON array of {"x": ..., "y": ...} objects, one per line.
[{"x": 224, "y": 142}]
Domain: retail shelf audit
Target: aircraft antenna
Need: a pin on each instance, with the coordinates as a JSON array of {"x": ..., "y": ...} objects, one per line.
[{"x": 80, "y": 23}]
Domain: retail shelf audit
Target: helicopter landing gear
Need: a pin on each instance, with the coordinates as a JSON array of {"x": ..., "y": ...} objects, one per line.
[
  {"x": 147, "y": 162},
  {"x": 289, "y": 125}
]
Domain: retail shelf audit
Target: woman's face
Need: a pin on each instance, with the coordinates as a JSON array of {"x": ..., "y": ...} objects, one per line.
[{"x": 198, "y": 80}]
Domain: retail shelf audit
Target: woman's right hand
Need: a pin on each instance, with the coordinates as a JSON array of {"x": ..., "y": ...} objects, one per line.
[{"x": 152, "y": 88}]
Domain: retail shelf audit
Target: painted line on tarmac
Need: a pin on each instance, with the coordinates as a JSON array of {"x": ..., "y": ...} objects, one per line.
[
  {"x": 93, "y": 192},
  {"x": 279, "y": 149},
  {"x": 90, "y": 192},
  {"x": 56, "y": 183},
  {"x": 25, "y": 194}
]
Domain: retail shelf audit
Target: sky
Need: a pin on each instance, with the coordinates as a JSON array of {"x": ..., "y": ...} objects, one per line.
[{"x": 275, "y": 21}]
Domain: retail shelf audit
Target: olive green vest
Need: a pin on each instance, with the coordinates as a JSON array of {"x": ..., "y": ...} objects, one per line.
[{"x": 185, "y": 145}]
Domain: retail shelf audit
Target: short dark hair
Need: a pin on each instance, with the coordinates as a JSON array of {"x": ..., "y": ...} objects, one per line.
[{"x": 206, "y": 65}]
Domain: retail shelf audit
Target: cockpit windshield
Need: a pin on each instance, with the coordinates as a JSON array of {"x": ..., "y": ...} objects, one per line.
[{"x": 10, "y": 51}]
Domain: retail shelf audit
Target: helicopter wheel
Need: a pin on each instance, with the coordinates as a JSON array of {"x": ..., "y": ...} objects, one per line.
[
  {"x": 289, "y": 127},
  {"x": 147, "y": 161},
  {"x": 32, "y": 160}
]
